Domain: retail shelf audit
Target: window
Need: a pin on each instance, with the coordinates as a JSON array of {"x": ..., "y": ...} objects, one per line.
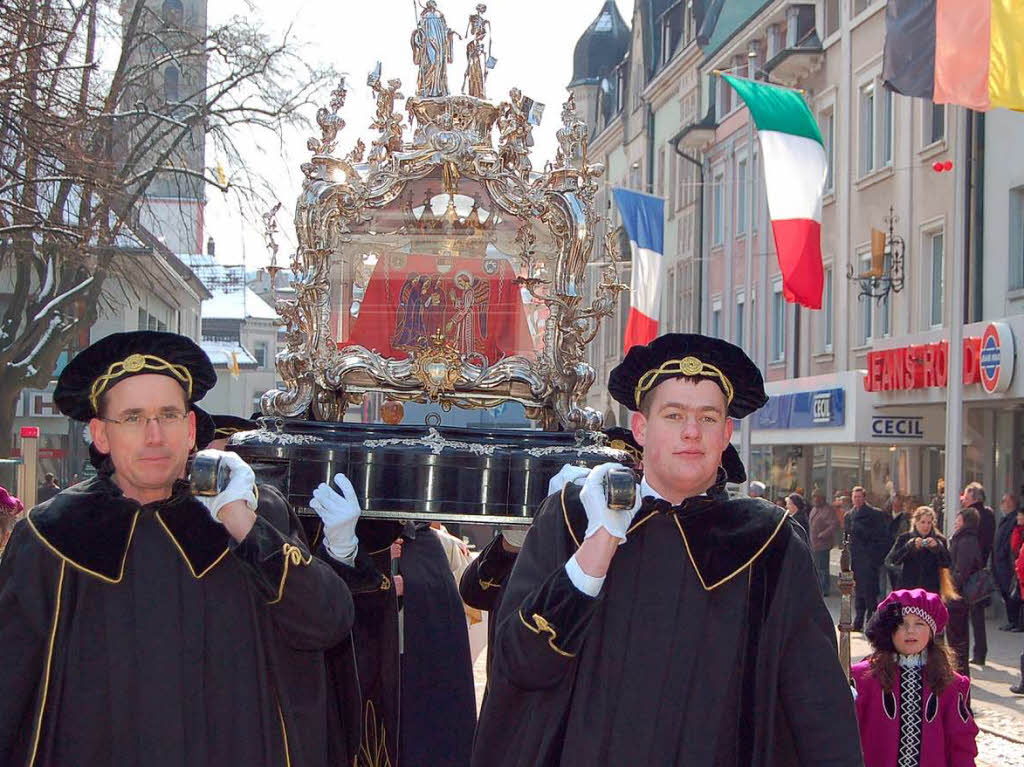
[
  {"x": 827, "y": 125},
  {"x": 669, "y": 304},
  {"x": 933, "y": 122},
  {"x": 755, "y": 192},
  {"x": 859, "y": 5},
  {"x": 778, "y": 348},
  {"x": 716, "y": 212},
  {"x": 865, "y": 305},
  {"x": 1017, "y": 237},
  {"x": 887, "y": 107},
  {"x": 867, "y": 129},
  {"x": 171, "y": 83},
  {"x": 937, "y": 260},
  {"x": 143, "y": 320},
  {"x": 172, "y": 12},
  {"x": 829, "y": 309},
  {"x": 738, "y": 334},
  {"x": 620, "y": 87},
  {"x": 831, "y": 17},
  {"x": 724, "y": 98},
  {"x": 673, "y": 198},
  {"x": 259, "y": 351},
  {"x": 716, "y": 318},
  {"x": 885, "y": 306},
  {"x": 741, "y": 196},
  {"x": 151, "y": 323},
  {"x": 661, "y": 173}
]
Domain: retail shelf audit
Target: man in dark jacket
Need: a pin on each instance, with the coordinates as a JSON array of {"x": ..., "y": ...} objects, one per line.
[
  {"x": 144, "y": 625},
  {"x": 1003, "y": 563},
  {"x": 974, "y": 497},
  {"x": 48, "y": 488},
  {"x": 870, "y": 541},
  {"x": 686, "y": 630}
]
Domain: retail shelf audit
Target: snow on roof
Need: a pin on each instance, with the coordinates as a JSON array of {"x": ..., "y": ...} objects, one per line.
[
  {"x": 237, "y": 305},
  {"x": 220, "y": 353}
]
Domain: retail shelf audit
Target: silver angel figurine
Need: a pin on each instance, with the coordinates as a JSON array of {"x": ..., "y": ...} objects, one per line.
[
  {"x": 432, "y": 51},
  {"x": 478, "y": 55}
]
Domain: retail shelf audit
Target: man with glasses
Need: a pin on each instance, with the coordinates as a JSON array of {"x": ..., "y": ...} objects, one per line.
[{"x": 144, "y": 625}]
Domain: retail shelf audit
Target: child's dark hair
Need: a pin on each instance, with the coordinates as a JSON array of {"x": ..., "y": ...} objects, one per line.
[{"x": 938, "y": 667}]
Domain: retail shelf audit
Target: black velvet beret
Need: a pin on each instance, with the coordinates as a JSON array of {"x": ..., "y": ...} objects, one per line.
[
  {"x": 205, "y": 428},
  {"x": 121, "y": 355},
  {"x": 623, "y": 439},
  {"x": 733, "y": 465},
  {"x": 689, "y": 354}
]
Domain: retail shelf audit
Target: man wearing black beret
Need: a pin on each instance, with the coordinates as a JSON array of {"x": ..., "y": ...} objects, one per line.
[
  {"x": 144, "y": 625},
  {"x": 688, "y": 630}
]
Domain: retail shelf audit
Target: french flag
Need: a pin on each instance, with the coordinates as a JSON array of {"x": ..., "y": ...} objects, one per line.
[{"x": 643, "y": 216}]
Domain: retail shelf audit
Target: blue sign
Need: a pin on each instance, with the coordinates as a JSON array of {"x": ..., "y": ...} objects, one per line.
[{"x": 803, "y": 410}]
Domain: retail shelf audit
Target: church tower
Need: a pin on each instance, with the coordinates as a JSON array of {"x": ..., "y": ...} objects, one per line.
[{"x": 171, "y": 50}]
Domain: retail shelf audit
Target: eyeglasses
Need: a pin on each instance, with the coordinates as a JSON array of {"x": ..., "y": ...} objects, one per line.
[{"x": 136, "y": 422}]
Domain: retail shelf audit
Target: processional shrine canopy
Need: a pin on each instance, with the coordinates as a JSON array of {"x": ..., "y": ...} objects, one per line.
[{"x": 438, "y": 265}]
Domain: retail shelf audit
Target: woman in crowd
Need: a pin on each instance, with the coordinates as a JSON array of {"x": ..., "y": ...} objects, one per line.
[
  {"x": 965, "y": 555},
  {"x": 912, "y": 707},
  {"x": 923, "y": 555},
  {"x": 797, "y": 509},
  {"x": 10, "y": 512}
]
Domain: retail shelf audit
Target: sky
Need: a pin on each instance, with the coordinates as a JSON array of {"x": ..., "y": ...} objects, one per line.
[{"x": 533, "y": 42}]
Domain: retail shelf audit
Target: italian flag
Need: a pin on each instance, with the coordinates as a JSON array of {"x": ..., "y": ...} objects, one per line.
[{"x": 794, "y": 176}]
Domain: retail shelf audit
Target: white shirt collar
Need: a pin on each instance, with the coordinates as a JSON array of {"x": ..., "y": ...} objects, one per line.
[{"x": 647, "y": 490}]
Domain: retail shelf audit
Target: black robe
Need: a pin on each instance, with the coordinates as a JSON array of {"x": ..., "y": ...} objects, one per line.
[
  {"x": 708, "y": 645},
  {"x": 419, "y": 708},
  {"x": 483, "y": 584},
  {"x": 146, "y": 635}
]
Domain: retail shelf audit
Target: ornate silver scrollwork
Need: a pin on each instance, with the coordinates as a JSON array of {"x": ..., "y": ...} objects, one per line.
[{"x": 458, "y": 143}]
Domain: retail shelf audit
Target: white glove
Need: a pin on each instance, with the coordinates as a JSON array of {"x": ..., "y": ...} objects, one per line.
[
  {"x": 241, "y": 486},
  {"x": 339, "y": 513},
  {"x": 598, "y": 514},
  {"x": 565, "y": 475}
]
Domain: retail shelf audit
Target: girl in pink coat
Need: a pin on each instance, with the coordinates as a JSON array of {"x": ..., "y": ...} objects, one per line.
[{"x": 913, "y": 709}]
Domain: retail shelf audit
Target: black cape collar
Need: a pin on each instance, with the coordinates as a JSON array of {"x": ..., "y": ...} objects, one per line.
[
  {"x": 722, "y": 537},
  {"x": 90, "y": 526}
]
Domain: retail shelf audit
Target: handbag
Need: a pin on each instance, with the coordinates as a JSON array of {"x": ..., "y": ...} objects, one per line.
[{"x": 979, "y": 587}]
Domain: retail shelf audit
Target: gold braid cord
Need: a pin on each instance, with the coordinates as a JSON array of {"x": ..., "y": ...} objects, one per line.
[
  {"x": 687, "y": 366},
  {"x": 136, "y": 363}
]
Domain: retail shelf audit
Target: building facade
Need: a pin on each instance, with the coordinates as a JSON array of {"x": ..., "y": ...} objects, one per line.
[{"x": 831, "y": 423}]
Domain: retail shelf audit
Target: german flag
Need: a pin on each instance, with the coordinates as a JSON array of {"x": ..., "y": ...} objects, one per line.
[{"x": 964, "y": 52}]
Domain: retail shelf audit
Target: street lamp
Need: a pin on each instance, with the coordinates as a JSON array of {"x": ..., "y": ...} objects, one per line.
[{"x": 886, "y": 273}]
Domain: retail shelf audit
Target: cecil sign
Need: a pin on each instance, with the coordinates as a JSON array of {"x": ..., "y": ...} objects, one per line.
[{"x": 988, "y": 360}]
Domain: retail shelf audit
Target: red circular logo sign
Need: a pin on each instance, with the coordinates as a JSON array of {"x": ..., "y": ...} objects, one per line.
[{"x": 996, "y": 358}]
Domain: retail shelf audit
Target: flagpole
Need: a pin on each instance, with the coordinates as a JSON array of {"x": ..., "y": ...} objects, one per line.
[{"x": 956, "y": 286}]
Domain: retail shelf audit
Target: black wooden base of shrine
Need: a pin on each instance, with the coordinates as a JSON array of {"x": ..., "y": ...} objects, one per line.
[{"x": 438, "y": 473}]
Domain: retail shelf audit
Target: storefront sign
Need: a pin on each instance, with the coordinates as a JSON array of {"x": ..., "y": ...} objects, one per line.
[
  {"x": 899, "y": 427},
  {"x": 803, "y": 410},
  {"x": 995, "y": 362},
  {"x": 988, "y": 361}
]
